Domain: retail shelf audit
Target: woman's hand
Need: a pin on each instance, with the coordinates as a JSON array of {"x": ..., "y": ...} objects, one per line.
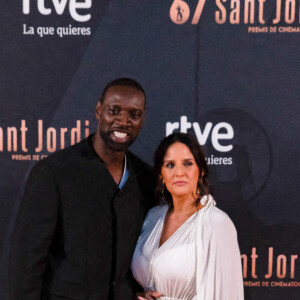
[{"x": 148, "y": 295}]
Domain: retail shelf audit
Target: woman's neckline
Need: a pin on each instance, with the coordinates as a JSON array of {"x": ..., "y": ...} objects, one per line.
[{"x": 163, "y": 225}]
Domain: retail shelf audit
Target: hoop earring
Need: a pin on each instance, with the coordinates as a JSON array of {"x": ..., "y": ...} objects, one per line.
[
  {"x": 162, "y": 190},
  {"x": 200, "y": 181}
]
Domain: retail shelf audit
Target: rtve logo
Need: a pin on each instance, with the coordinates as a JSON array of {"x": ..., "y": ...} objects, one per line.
[
  {"x": 59, "y": 6},
  {"x": 219, "y": 132}
]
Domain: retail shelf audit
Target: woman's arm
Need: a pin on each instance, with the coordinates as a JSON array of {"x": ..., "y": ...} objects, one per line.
[{"x": 219, "y": 270}]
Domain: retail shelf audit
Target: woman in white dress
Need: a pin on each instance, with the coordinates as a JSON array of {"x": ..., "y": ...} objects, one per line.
[{"x": 188, "y": 247}]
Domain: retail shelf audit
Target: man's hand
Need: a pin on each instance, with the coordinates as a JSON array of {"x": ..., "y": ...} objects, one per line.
[{"x": 149, "y": 295}]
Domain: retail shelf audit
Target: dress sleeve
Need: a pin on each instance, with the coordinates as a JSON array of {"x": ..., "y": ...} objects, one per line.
[
  {"x": 33, "y": 233},
  {"x": 219, "y": 271}
]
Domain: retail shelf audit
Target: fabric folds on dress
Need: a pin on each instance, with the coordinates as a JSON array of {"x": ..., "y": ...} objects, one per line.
[{"x": 200, "y": 261}]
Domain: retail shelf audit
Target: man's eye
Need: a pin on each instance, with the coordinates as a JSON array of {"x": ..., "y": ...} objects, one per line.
[
  {"x": 135, "y": 115},
  {"x": 114, "y": 111}
]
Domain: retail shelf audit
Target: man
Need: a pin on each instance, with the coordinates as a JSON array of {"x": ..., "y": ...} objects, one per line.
[{"x": 83, "y": 208}]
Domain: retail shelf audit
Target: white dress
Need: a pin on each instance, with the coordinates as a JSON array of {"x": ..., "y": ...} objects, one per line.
[{"x": 200, "y": 261}]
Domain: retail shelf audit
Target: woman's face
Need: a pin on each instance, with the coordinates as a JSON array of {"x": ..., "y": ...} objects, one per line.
[{"x": 180, "y": 172}]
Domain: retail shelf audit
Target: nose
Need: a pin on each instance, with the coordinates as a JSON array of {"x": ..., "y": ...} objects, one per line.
[
  {"x": 179, "y": 172},
  {"x": 123, "y": 119}
]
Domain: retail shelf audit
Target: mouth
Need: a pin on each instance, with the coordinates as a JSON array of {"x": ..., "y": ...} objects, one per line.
[
  {"x": 179, "y": 183},
  {"x": 119, "y": 136}
]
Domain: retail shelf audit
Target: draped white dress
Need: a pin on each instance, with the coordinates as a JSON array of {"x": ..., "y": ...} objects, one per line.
[{"x": 200, "y": 261}]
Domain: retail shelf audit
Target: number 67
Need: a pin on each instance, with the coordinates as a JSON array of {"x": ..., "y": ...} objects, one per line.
[{"x": 180, "y": 11}]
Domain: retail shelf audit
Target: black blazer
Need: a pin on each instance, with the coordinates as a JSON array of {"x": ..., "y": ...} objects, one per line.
[{"x": 76, "y": 230}]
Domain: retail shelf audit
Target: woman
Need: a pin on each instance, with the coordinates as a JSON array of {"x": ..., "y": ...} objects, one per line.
[{"x": 188, "y": 248}]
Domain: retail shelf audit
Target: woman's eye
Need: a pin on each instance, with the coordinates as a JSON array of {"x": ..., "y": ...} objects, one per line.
[
  {"x": 188, "y": 163},
  {"x": 169, "y": 165}
]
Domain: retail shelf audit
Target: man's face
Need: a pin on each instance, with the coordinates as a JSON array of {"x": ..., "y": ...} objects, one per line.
[{"x": 121, "y": 116}]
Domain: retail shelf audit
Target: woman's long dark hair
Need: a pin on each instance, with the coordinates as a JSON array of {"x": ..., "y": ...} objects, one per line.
[{"x": 161, "y": 192}]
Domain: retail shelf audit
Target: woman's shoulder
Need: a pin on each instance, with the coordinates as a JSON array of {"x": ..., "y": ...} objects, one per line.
[
  {"x": 219, "y": 220},
  {"x": 157, "y": 211},
  {"x": 213, "y": 214},
  {"x": 153, "y": 215}
]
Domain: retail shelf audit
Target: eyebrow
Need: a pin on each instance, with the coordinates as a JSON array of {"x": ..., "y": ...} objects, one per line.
[
  {"x": 119, "y": 106},
  {"x": 183, "y": 159}
]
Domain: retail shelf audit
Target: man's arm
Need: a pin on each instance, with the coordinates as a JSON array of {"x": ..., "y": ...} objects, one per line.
[{"x": 33, "y": 233}]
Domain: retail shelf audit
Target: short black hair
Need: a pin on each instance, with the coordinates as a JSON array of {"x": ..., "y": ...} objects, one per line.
[
  {"x": 161, "y": 192},
  {"x": 122, "y": 82}
]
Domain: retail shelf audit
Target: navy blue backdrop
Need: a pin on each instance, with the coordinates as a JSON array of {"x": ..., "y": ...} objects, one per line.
[{"x": 226, "y": 71}]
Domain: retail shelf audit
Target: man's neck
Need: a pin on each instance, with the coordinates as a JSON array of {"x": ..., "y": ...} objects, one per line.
[
  {"x": 113, "y": 160},
  {"x": 108, "y": 155}
]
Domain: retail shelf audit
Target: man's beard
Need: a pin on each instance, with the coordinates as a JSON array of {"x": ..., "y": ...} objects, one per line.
[{"x": 118, "y": 147}]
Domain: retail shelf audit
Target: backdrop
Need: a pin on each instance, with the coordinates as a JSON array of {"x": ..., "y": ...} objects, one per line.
[{"x": 226, "y": 71}]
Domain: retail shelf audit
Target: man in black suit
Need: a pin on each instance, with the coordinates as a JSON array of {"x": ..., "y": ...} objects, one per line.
[{"x": 83, "y": 208}]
